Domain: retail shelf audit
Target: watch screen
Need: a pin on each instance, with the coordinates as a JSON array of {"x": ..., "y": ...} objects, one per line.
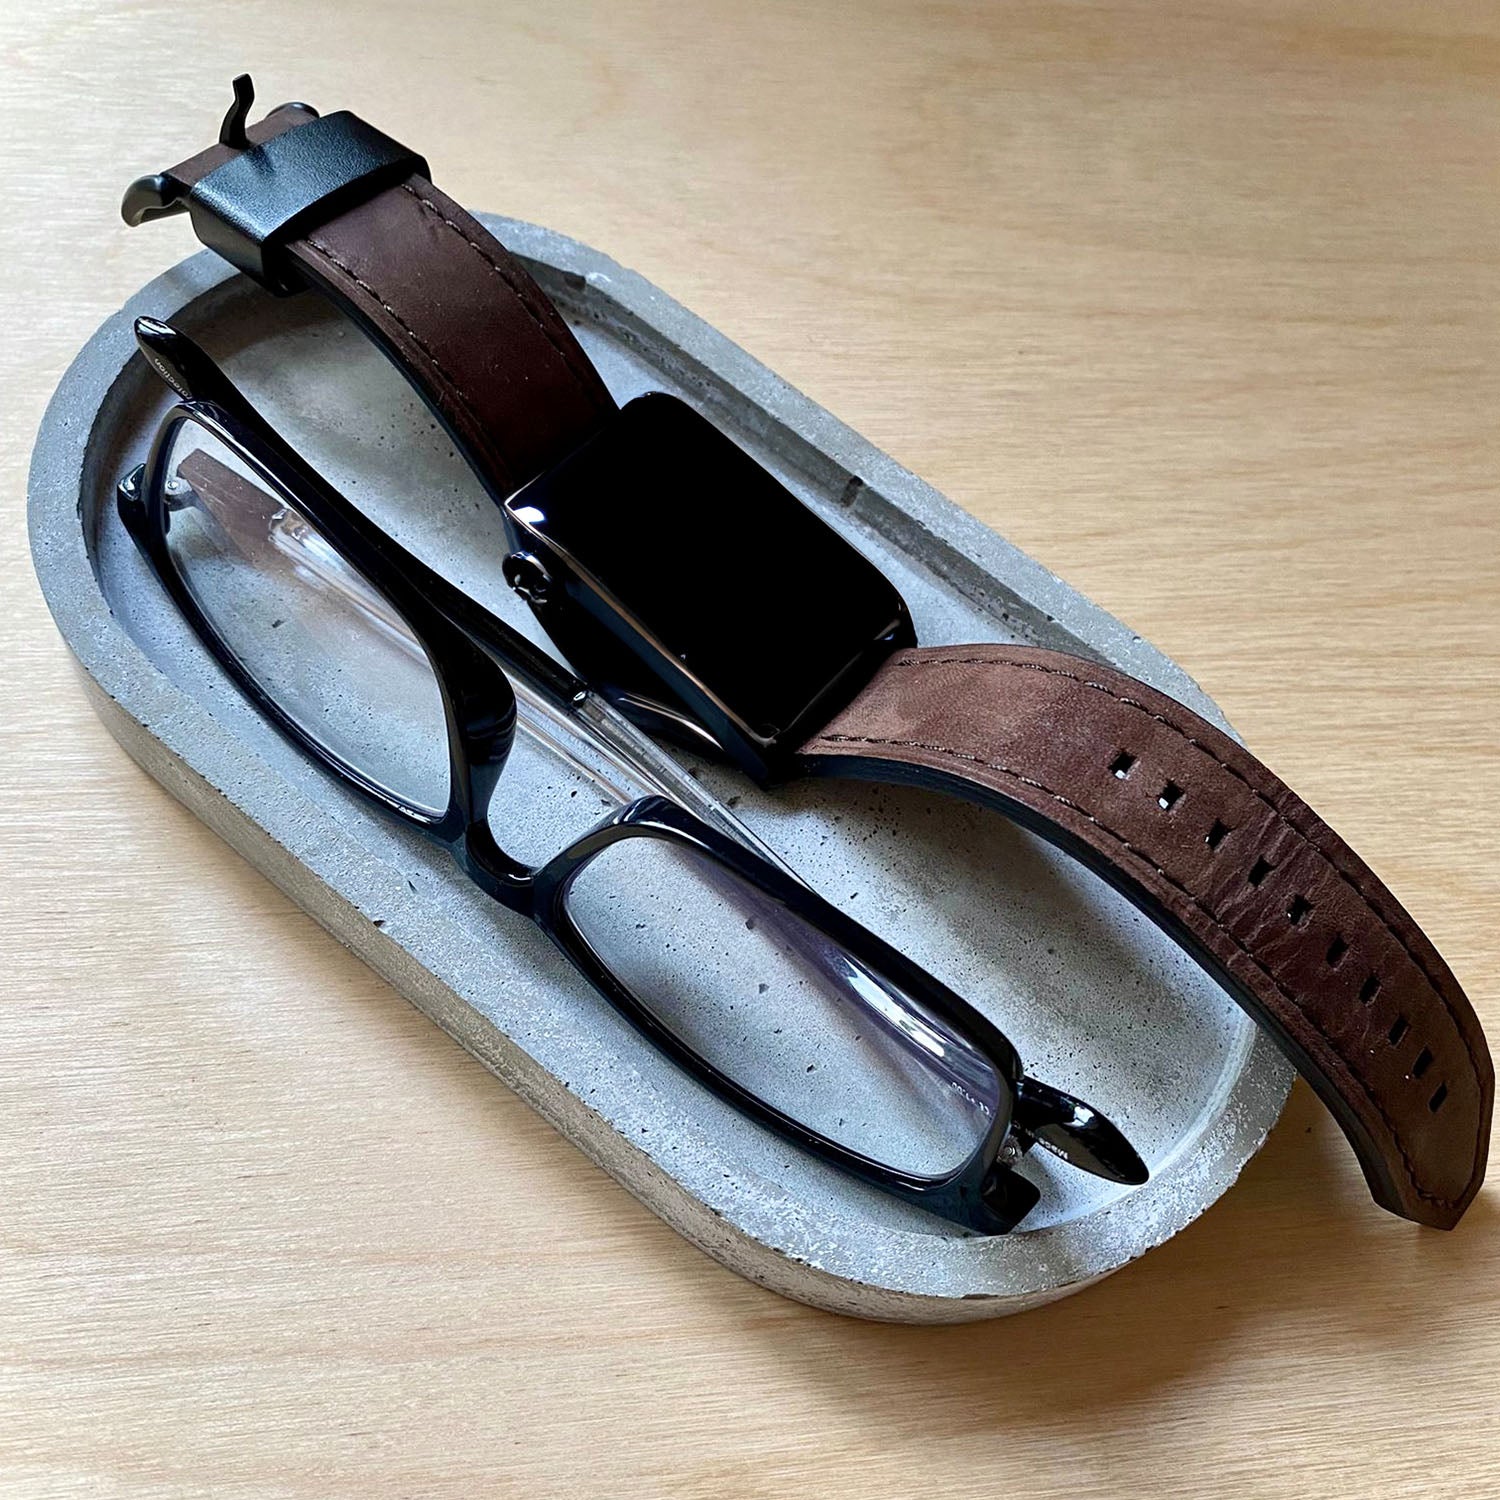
[{"x": 730, "y": 573}]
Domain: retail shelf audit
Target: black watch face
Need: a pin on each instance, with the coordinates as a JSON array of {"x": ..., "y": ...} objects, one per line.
[{"x": 730, "y": 576}]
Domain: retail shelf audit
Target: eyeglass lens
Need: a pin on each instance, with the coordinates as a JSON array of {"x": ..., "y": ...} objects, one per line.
[
  {"x": 317, "y": 638},
  {"x": 781, "y": 1010}
]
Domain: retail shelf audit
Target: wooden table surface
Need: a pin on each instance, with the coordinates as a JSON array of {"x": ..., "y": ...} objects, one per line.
[{"x": 1197, "y": 302}]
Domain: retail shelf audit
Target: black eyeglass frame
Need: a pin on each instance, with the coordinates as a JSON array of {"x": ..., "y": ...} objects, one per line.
[{"x": 466, "y": 645}]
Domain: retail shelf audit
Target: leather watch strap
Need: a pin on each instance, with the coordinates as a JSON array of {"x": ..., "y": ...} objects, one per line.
[
  {"x": 455, "y": 311},
  {"x": 1214, "y": 847},
  {"x": 1170, "y": 810}
]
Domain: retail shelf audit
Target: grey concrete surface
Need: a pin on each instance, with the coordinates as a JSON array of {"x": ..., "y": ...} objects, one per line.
[{"x": 1095, "y": 998}]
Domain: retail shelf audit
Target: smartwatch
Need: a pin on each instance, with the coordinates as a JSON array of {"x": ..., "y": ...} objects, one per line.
[{"x": 689, "y": 587}]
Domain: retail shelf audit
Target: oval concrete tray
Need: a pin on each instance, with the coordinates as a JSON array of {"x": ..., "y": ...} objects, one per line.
[{"x": 1095, "y": 998}]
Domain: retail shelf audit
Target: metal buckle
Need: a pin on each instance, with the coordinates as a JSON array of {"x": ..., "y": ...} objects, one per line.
[{"x": 251, "y": 207}]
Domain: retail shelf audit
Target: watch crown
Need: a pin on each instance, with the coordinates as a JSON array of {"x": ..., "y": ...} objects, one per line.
[{"x": 527, "y": 577}]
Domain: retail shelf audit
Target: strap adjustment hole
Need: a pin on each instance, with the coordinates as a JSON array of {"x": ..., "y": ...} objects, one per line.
[{"x": 1120, "y": 766}]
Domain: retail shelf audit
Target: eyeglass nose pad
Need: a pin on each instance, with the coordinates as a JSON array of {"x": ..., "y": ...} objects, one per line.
[{"x": 1077, "y": 1132}]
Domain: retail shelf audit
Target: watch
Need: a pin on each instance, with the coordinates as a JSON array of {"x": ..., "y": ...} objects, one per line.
[{"x": 693, "y": 590}]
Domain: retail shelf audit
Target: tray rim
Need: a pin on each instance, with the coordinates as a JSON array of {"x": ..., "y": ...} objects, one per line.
[{"x": 131, "y": 695}]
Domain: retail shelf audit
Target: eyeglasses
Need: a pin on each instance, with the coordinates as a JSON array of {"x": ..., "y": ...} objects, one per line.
[{"x": 399, "y": 684}]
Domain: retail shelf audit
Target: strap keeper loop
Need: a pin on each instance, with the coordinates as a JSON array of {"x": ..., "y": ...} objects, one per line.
[{"x": 250, "y": 208}]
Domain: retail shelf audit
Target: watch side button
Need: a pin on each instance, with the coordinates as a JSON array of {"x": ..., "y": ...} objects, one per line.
[{"x": 525, "y": 574}]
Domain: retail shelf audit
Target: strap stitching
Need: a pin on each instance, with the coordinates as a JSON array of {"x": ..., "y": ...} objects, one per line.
[
  {"x": 586, "y": 386},
  {"x": 1386, "y": 923},
  {"x": 453, "y": 387},
  {"x": 1147, "y": 859}
]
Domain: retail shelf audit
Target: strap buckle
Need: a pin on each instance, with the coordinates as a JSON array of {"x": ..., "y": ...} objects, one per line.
[{"x": 253, "y": 205}]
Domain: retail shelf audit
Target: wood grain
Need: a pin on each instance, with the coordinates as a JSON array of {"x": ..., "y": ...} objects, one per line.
[{"x": 1197, "y": 303}]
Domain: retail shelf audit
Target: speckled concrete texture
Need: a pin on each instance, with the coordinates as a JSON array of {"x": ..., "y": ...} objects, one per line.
[{"x": 1095, "y": 998}]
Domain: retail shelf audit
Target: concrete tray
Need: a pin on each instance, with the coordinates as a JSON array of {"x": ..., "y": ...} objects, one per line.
[{"x": 1095, "y": 998}]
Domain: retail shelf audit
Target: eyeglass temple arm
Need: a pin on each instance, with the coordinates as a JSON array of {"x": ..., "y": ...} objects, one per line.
[
  {"x": 184, "y": 366},
  {"x": 1076, "y": 1131},
  {"x": 194, "y": 376}
]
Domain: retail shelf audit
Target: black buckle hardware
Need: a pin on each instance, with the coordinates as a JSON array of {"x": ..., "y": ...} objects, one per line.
[{"x": 248, "y": 209}]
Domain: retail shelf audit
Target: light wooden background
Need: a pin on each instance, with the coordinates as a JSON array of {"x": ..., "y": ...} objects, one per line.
[{"x": 1195, "y": 301}]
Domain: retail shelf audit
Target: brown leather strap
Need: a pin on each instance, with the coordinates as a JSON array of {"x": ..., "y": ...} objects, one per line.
[
  {"x": 1171, "y": 811},
  {"x": 1201, "y": 836},
  {"x": 457, "y": 314}
]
